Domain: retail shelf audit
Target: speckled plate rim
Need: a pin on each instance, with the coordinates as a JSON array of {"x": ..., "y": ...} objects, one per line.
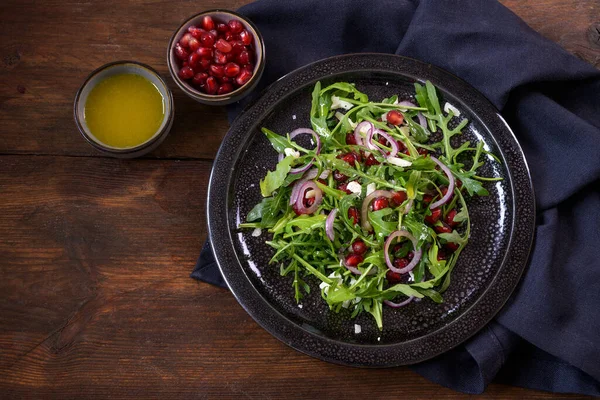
[{"x": 367, "y": 355}]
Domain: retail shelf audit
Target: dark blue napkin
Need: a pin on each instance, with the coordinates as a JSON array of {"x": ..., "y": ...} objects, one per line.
[{"x": 548, "y": 336}]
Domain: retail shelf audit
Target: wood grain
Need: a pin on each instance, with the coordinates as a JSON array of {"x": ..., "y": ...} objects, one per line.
[
  {"x": 95, "y": 253},
  {"x": 39, "y": 78}
]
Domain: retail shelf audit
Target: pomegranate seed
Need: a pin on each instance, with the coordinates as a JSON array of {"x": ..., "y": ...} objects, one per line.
[
  {"x": 398, "y": 198},
  {"x": 195, "y": 31},
  {"x": 359, "y": 247},
  {"x": 401, "y": 146},
  {"x": 434, "y": 217},
  {"x": 193, "y": 44},
  {"x": 235, "y": 26},
  {"x": 443, "y": 228},
  {"x": 220, "y": 58},
  {"x": 185, "y": 40},
  {"x": 237, "y": 47},
  {"x": 383, "y": 141},
  {"x": 186, "y": 73},
  {"x": 246, "y": 37},
  {"x": 352, "y": 260},
  {"x": 180, "y": 52},
  {"x": 371, "y": 160},
  {"x": 207, "y": 39},
  {"x": 344, "y": 187},
  {"x": 422, "y": 151},
  {"x": 223, "y": 45},
  {"x": 216, "y": 70},
  {"x": 400, "y": 262},
  {"x": 205, "y": 63},
  {"x": 450, "y": 218},
  {"x": 427, "y": 198},
  {"x": 393, "y": 277},
  {"x": 200, "y": 78},
  {"x": 194, "y": 61},
  {"x": 451, "y": 246},
  {"x": 229, "y": 56},
  {"x": 309, "y": 202},
  {"x": 184, "y": 64},
  {"x": 441, "y": 255},
  {"x": 249, "y": 67},
  {"x": 225, "y": 79},
  {"x": 205, "y": 52},
  {"x": 243, "y": 77},
  {"x": 338, "y": 176},
  {"x": 458, "y": 183},
  {"x": 230, "y": 36},
  {"x": 214, "y": 33},
  {"x": 410, "y": 255},
  {"x": 232, "y": 69},
  {"x": 350, "y": 139},
  {"x": 211, "y": 85},
  {"x": 353, "y": 215},
  {"x": 243, "y": 58},
  {"x": 380, "y": 203},
  {"x": 221, "y": 27},
  {"x": 348, "y": 157},
  {"x": 322, "y": 181},
  {"x": 208, "y": 23},
  {"x": 397, "y": 248},
  {"x": 394, "y": 117}
]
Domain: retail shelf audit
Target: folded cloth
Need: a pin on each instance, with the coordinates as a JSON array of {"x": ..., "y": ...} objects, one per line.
[{"x": 547, "y": 336}]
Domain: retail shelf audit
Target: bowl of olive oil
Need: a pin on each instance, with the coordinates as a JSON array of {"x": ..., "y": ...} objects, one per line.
[{"x": 124, "y": 109}]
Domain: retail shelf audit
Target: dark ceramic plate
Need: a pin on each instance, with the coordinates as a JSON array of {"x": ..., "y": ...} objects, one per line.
[{"x": 487, "y": 271}]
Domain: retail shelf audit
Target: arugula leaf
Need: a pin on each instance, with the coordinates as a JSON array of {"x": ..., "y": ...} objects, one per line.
[
  {"x": 390, "y": 100},
  {"x": 453, "y": 237},
  {"x": 274, "y": 179},
  {"x": 435, "y": 267},
  {"x": 278, "y": 142},
  {"x": 473, "y": 186},
  {"x": 318, "y": 120},
  {"x": 432, "y": 294},
  {"x": 348, "y": 88},
  {"x": 461, "y": 216},
  {"x": 416, "y": 228},
  {"x": 382, "y": 227},
  {"x": 305, "y": 223}
]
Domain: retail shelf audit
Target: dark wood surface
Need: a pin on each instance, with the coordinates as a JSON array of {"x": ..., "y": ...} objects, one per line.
[{"x": 95, "y": 253}]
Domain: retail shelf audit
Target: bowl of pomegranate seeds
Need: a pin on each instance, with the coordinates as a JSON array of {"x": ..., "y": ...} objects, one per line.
[{"x": 216, "y": 57}]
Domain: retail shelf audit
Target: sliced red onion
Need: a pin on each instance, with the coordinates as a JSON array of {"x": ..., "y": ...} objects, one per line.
[
  {"x": 448, "y": 194},
  {"x": 407, "y": 103},
  {"x": 408, "y": 206},
  {"x": 422, "y": 120},
  {"x": 398, "y": 305},
  {"x": 308, "y": 185},
  {"x": 329, "y": 224},
  {"x": 416, "y": 257},
  {"x": 312, "y": 174},
  {"x": 366, "y": 225},
  {"x": 301, "y": 131},
  {"x": 357, "y": 131},
  {"x": 324, "y": 174},
  {"x": 393, "y": 144}
]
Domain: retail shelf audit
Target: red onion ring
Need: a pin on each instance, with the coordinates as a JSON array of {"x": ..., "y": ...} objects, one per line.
[
  {"x": 301, "y": 131},
  {"x": 366, "y": 225},
  {"x": 407, "y": 103},
  {"x": 357, "y": 132},
  {"x": 393, "y": 144},
  {"x": 329, "y": 224},
  {"x": 448, "y": 194},
  {"x": 308, "y": 185},
  {"x": 416, "y": 257},
  {"x": 408, "y": 206},
  {"x": 398, "y": 305},
  {"x": 312, "y": 174}
]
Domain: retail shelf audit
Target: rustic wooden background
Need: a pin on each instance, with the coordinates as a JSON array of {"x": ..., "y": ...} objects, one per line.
[{"x": 95, "y": 253}]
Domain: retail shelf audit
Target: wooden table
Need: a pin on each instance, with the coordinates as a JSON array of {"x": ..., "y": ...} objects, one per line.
[{"x": 95, "y": 253}]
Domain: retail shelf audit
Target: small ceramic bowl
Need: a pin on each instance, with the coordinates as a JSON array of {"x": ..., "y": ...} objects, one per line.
[
  {"x": 115, "y": 68},
  {"x": 239, "y": 93}
]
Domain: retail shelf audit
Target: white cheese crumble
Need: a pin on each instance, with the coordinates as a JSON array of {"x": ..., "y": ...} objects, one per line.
[
  {"x": 357, "y": 329},
  {"x": 310, "y": 194},
  {"x": 294, "y": 116},
  {"x": 354, "y": 187},
  {"x": 337, "y": 103},
  {"x": 299, "y": 305},
  {"x": 256, "y": 232},
  {"x": 449, "y": 107},
  {"x": 399, "y": 162},
  {"x": 291, "y": 152},
  {"x": 412, "y": 276},
  {"x": 370, "y": 188}
]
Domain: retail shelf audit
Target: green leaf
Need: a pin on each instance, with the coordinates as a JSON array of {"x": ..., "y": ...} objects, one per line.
[
  {"x": 473, "y": 186},
  {"x": 258, "y": 210},
  {"x": 348, "y": 88},
  {"x": 383, "y": 228},
  {"x": 305, "y": 223},
  {"x": 376, "y": 310},
  {"x": 416, "y": 228},
  {"x": 461, "y": 216},
  {"x": 278, "y": 142},
  {"x": 390, "y": 100},
  {"x": 339, "y": 294},
  {"x": 274, "y": 179},
  {"x": 435, "y": 267},
  {"x": 376, "y": 258},
  {"x": 453, "y": 237},
  {"x": 423, "y": 164},
  {"x": 432, "y": 294},
  {"x": 317, "y": 120},
  {"x": 403, "y": 289}
]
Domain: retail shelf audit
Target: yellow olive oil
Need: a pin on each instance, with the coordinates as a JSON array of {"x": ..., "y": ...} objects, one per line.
[{"x": 124, "y": 110}]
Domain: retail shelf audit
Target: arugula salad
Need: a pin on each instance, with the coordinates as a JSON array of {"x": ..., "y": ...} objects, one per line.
[{"x": 375, "y": 206}]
